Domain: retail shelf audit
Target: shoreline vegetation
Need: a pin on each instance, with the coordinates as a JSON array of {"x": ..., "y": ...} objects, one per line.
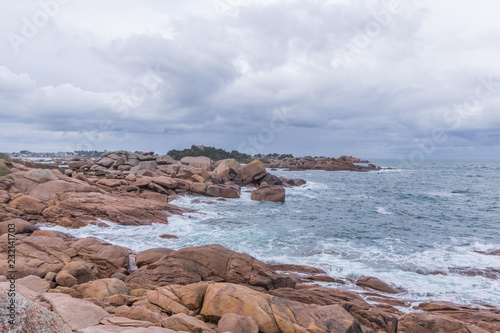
[{"x": 62, "y": 283}]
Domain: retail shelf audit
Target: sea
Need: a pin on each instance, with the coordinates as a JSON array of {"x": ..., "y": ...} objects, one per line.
[{"x": 424, "y": 227}]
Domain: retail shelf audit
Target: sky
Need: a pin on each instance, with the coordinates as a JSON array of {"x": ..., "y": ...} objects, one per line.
[{"x": 389, "y": 79}]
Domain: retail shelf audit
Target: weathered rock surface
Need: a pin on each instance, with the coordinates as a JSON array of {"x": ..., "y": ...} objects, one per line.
[
  {"x": 274, "y": 314},
  {"x": 150, "y": 256},
  {"x": 251, "y": 172},
  {"x": 209, "y": 263},
  {"x": 234, "y": 323},
  {"x": 51, "y": 252},
  {"x": 185, "y": 323},
  {"x": 426, "y": 323},
  {"x": 76, "y": 313},
  {"x": 374, "y": 283},
  {"x": 266, "y": 192},
  {"x": 29, "y": 317},
  {"x": 103, "y": 288}
]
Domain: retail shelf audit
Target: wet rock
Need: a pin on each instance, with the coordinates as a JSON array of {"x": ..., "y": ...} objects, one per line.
[
  {"x": 251, "y": 172},
  {"x": 376, "y": 284},
  {"x": 266, "y": 192},
  {"x": 20, "y": 227}
]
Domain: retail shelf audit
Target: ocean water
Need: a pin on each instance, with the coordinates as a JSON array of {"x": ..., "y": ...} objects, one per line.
[{"x": 400, "y": 225}]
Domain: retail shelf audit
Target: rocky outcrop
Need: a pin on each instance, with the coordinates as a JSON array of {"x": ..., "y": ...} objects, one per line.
[
  {"x": 343, "y": 163},
  {"x": 51, "y": 252},
  {"x": 274, "y": 314},
  {"x": 267, "y": 192},
  {"x": 209, "y": 263},
  {"x": 426, "y": 323}
]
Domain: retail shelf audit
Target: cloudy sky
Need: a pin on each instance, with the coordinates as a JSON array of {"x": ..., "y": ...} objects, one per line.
[{"x": 417, "y": 79}]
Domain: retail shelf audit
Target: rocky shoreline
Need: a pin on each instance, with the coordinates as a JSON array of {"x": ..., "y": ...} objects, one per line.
[{"x": 66, "y": 284}]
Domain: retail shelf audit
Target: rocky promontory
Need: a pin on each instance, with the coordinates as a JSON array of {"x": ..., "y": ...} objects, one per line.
[{"x": 343, "y": 163}]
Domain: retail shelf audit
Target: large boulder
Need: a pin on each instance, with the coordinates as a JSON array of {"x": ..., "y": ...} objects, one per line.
[
  {"x": 267, "y": 192},
  {"x": 145, "y": 166},
  {"x": 209, "y": 263},
  {"x": 227, "y": 168},
  {"x": 252, "y": 172},
  {"x": 76, "y": 272},
  {"x": 224, "y": 191},
  {"x": 150, "y": 256},
  {"x": 100, "y": 289},
  {"x": 179, "y": 298},
  {"x": 164, "y": 159},
  {"x": 371, "y": 318},
  {"x": 27, "y": 205},
  {"x": 17, "y": 226},
  {"x": 198, "y": 162},
  {"x": 76, "y": 313},
  {"x": 28, "y": 316},
  {"x": 374, "y": 283},
  {"x": 274, "y": 314}
]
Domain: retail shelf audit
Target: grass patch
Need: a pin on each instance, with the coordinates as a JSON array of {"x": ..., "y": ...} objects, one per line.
[{"x": 4, "y": 169}]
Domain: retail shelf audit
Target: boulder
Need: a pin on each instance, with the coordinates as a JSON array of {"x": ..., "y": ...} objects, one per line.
[
  {"x": 185, "y": 323},
  {"x": 164, "y": 160},
  {"x": 105, "y": 162},
  {"x": 34, "y": 283},
  {"x": 227, "y": 168},
  {"x": 145, "y": 166},
  {"x": 376, "y": 284},
  {"x": 111, "y": 182},
  {"x": 20, "y": 227},
  {"x": 76, "y": 272},
  {"x": 209, "y": 263},
  {"x": 150, "y": 256},
  {"x": 426, "y": 323},
  {"x": 198, "y": 162},
  {"x": 28, "y": 205},
  {"x": 179, "y": 298},
  {"x": 28, "y": 316},
  {"x": 274, "y": 314},
  {"x": 251, "y": 172},
  {"x": 143, "y": 312},
  {"x": 86, "y": 314},
  {"x": 234, "y": 323},
  {"x": 266, "y": 192},
  {"x": 100, "y": 289},
  {"x": 166, "y": 182},
  {"x": 223, "y": 191},
  {"x": 53, "y": 190}
]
